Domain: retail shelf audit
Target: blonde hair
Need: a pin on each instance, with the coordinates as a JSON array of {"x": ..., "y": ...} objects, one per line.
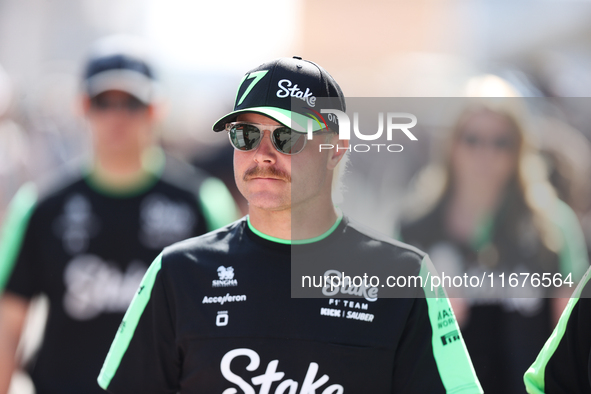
[
  {"x": 529, "y": 186},
  {"x": 337, "y": 185}
]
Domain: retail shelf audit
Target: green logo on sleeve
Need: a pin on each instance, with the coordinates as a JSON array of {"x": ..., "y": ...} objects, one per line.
[{"x": 450, "y": 337}]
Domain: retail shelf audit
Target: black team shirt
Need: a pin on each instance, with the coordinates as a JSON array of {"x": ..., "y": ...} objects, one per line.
[{"x": 214, "y": 314}]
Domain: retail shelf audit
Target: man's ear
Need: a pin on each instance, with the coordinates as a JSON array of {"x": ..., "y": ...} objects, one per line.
[
  {"x": 158, "y": 110},
  {"x": 83, "y": 105},
  {"x": 337, "y": 153}
]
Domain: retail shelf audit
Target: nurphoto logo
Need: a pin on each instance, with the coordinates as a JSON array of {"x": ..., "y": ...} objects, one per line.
[{"x": 393, "y": 124}]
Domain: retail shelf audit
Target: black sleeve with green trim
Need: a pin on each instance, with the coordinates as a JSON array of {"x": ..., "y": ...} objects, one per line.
[
  {"x": 432, "y": 357},
  {"x": 563, "y": 365},
  {"x": 18, "y": 271},
  {"x": 143, "y": 356},
  {"x": 415, "y": 370}
]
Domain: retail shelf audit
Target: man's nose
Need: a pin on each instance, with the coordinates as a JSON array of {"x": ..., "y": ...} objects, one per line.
[{"x": 266, "y": 152}]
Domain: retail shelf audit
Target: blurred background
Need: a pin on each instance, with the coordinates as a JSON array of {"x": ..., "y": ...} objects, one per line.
[
  {"x": 426, "y": 48},
  {"x": 423, "y": 48},
  {"x": 379, "y": 48}
]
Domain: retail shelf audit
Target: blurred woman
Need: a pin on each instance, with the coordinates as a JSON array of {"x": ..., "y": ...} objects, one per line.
[{"x": 486, "y": 206}]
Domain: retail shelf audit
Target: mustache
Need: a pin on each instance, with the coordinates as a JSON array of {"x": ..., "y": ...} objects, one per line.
[{"x": 266, "y": 172}]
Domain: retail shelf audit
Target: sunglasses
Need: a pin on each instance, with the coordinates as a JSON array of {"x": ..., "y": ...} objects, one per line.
[
  {"x": 130, "y": 104},
  {"x": 500, "y": 143},
  {"x": 246, "y": 136}
]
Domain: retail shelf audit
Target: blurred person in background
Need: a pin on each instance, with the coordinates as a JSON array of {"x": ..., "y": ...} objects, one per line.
[
  {"x": 486, "y": 206},
  {"x": 14, "y": 151},
  {"x": 567, "y": 154},
  {"x": 563, "y": 363},
  {"x": 86, "y": 242},
  {"x": 219, "y": 165}
]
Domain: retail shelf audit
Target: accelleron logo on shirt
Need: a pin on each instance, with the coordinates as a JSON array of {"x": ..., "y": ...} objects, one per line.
[{"x": 223, "y": 299}]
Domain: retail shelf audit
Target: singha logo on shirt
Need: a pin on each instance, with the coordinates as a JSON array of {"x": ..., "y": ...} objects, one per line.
[
  {"x": 164, "y": 221},
  {"x": 76, "y": 225},
  {"x": 225, "y": 273},
  {"x": 226, "y": 277}
]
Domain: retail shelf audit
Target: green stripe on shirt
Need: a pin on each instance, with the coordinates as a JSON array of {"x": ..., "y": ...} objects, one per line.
[
  {"x": 534, "y": 377},
  {"x": 129, "y": 324},
  {"x": 19, "y": 213},
  {"x": 573, "y": 253},
  {"x": 450, "y": 353}
]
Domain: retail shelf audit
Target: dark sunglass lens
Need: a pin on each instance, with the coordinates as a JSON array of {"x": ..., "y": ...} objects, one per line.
[
  {"x": 503, "y": 143},
  {"x": 134, "y": 105},
  {"x": 130, "y": 104},
  {"x": 245, "y": 136},
  {"x": 288, "y": 141},
  {"x": 99, "y": 103},
  {"x": 471, "y": 140}
]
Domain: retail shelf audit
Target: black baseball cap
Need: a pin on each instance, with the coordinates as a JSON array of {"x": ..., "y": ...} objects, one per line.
[
  {"x": 120, "y": 63},
  {"x": 288, "y": 90}
]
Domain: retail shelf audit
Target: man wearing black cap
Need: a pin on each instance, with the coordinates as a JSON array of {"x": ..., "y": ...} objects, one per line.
[
  {"x": 214, "y": 314},
  {"x": 87, "y": 242}
]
